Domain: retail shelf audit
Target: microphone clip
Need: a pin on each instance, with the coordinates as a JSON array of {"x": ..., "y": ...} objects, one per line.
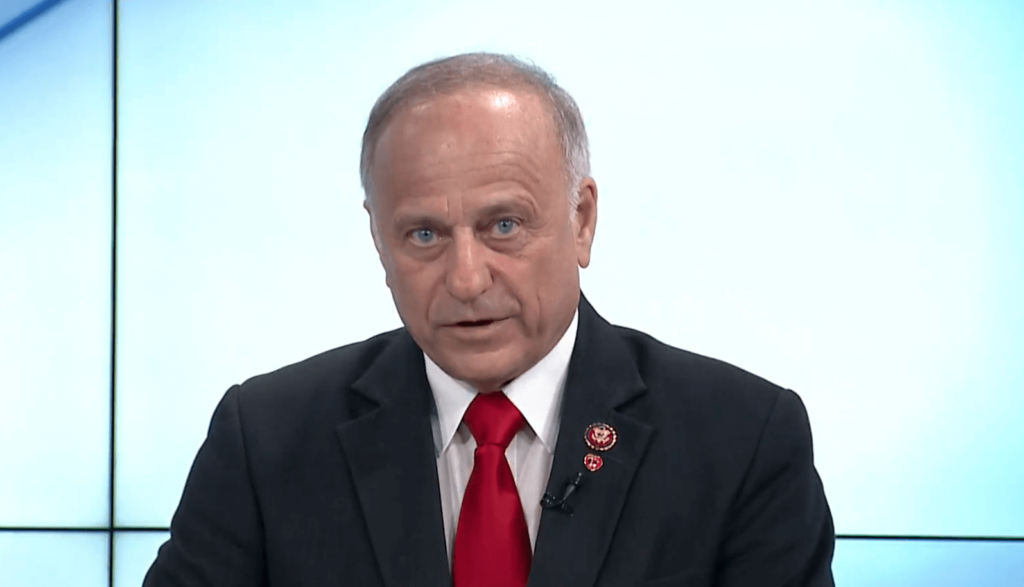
[{"x": 559, "y": 503}]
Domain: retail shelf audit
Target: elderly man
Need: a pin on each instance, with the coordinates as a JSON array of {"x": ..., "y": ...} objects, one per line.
[{"x": 508, "y": 435}]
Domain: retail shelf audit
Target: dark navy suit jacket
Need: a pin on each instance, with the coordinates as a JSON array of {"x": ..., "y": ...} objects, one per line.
[{"x": 323, "y": 473}]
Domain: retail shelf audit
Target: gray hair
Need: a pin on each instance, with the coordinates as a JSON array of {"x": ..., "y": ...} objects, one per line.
[{"x": 450, "y": 74}]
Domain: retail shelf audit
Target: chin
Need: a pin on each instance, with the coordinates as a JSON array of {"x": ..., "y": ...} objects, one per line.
[{"x": 482, "y": 369}]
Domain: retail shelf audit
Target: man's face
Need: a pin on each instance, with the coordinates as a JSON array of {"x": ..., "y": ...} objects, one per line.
[{"x": 471, "y": 220}]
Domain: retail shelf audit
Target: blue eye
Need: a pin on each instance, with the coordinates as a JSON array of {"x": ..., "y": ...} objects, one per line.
[
  {"x": 506, "y": 225},
  {"x": 423, "y": 235}
]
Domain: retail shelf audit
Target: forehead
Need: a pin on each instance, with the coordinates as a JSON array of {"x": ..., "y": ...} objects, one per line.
[
  {"x": 475, "y": 104},
  {"x": 469, "y": 133}
]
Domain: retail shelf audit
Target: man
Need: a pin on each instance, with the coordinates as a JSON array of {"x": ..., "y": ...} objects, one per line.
[{"x": 508, "y": 435}]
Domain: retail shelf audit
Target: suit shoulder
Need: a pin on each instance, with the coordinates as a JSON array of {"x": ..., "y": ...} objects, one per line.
[
  {"x": 696, "y": 401},
  {"x": 673, "y": 374},
  {"x": 330, "y": 370}
]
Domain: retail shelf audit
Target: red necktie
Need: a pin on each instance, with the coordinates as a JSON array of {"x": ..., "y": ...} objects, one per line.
[{"x": 492, "y": 545}]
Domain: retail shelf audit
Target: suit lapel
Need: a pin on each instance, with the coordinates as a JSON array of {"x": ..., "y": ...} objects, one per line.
[
  {"x": 390, "y": 453},
  {"x": 602, "y": 378}
]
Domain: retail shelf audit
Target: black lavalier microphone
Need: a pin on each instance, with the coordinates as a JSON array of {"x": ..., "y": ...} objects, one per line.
[{"x": 559, "y": 503}]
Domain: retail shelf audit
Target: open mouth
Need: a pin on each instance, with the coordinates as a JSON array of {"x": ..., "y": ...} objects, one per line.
[{"x": 477, "y": 323}]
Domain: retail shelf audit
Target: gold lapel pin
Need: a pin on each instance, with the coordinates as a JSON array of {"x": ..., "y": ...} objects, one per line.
[{"x": 601, "y": 437}]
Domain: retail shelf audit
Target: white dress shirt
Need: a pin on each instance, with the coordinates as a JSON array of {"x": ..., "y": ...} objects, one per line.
[{"x": 537, "y": 394}]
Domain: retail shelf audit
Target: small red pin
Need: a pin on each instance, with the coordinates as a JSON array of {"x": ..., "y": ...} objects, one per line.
[
  {"x": 593, "y": 462},
  {"x": 601, "y": 437}
]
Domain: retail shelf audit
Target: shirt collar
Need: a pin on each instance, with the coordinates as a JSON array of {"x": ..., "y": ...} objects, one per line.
[{"x": 537, "y": 393}]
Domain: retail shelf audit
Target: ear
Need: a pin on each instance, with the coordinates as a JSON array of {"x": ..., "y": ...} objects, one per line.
[
  {"x": 377, "y": 242},
  {"x": 373, "y": 226},
  {"x": 585, "y": 223}
]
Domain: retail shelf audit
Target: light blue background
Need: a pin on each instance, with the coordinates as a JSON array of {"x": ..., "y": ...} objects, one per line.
[
  {"x": 827, "y": 194},
  {"x": 49, "y": 559},
  {"x": 876, "y": 563},
  {"x": 134, "y": 552},
  {"x": 55, "y": 233}
]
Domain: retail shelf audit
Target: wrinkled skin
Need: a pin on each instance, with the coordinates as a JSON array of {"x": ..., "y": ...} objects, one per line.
[{"x": 470, "y": 216}]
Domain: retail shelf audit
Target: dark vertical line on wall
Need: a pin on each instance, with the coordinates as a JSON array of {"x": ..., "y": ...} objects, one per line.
[{"x": 113, "y": 291}]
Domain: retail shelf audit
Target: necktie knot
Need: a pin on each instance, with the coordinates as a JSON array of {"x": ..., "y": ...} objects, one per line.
[{"x": 493, "y": 419}]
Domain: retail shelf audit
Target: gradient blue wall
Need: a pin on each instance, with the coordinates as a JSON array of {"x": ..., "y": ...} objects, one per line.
[{"x": 828, "y": 195}]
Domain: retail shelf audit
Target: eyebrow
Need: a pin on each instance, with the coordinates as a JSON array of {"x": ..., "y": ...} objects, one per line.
[
  {"x": 416, "y": 219},
  {"x": 509, "y": 205}
]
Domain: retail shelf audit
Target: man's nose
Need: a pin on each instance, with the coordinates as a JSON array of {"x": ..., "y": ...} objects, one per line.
[{"x": 468, "y": 275}]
